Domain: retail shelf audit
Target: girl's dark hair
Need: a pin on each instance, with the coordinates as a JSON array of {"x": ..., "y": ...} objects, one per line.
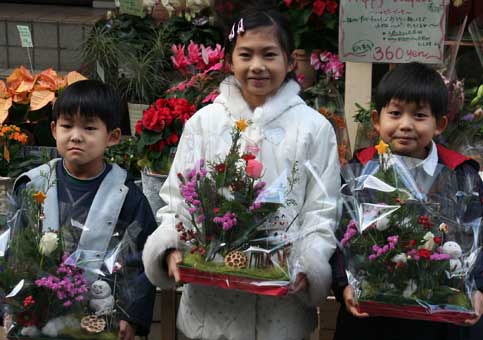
[
  {"x": 90, "y": 98},
  {"x": 414, "y": 83},
  {"x": 262, "y": 15}
]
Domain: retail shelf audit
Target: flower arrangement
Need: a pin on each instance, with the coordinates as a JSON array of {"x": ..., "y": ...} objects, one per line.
[
  {"x": 314, "y": 23},
  {"x": 12, "y": 161},
  {"x": 229, "y": 204},
  {"x": 48, "y": 285},
  {"x": 404, "y": 246},
  {"x": 26, "y": 100},
  {"x": 204, "y": 69},
  {"x": 159, "y": 131}
]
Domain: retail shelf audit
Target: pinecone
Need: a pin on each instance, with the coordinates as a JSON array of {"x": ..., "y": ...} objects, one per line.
[{"x": 236, "y": 259}]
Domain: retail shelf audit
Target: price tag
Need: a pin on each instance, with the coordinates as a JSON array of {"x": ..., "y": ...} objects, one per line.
[
  {"x": 25, "y": 36},
  {"x": 133, "y": 7}
]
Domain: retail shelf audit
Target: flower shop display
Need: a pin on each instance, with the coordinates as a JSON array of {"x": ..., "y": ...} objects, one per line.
[
  {"x": 324, "y": 96},
  {"x": 410, "y": 239},
  {"x": 26, "y": 100},
  {"x": 230, "y": 242},
  {"x": 53, "y": 288}
]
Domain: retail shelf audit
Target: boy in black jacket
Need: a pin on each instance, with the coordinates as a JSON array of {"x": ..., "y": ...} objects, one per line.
[
  {"x": 411, "y": 103},
  {"x": 104, "y": 218}
]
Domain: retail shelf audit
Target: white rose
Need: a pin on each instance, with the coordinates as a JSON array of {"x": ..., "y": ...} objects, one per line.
[{"x": 48, "y": 243}]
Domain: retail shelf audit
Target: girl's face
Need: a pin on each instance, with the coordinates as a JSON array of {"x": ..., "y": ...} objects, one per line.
[{"x": 260, "y": 64}]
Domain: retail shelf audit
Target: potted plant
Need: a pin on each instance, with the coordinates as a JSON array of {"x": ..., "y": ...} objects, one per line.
[
  {"x": 12, "y": 160},
  {"x": 158, "y": 134},
  {"x": 26, "y": 100}
]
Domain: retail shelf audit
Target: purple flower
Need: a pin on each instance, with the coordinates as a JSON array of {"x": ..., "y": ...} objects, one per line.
[{"x": 468, "y": 118}]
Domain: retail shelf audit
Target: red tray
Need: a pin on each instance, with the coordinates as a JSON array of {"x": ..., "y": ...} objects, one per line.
[
  {"x": 226, "y": 281},
  {"x": 413, "y": 312}
]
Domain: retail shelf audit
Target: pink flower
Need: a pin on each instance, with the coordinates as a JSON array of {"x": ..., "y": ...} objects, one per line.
[
  {"x": 194, "y": 55},
  {"x": 254, "y": 168},
  {"x": 334, "y": 67},
  {"x": 211, "y": 97},
  {"x": 315, "y": 61},
  {"x": 179, "y": 60}
]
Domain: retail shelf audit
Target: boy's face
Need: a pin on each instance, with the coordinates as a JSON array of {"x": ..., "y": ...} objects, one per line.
[
  {"x": 408, "y": 128},
  {"x": 81, "y": 142}
]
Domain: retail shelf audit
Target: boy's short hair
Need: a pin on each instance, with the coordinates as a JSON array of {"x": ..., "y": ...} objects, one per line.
[
  {"x": 414, "y": 83},
  {"x": 90, "y": 98}
]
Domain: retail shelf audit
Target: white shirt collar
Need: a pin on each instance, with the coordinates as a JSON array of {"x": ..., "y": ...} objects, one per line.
[{"x": 428, "y": 164}]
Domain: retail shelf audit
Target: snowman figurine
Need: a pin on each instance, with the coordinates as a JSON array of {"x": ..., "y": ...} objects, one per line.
[
  {"x": 102, "y": 301},
  {"x": 454, "y": 250}
]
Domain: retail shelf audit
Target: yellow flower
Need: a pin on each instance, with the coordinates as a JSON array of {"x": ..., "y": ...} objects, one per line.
[
  {"x": 241, "y": 124},
  {"x": 39, "y": 197},
  {"x": 382, "y": 147}
]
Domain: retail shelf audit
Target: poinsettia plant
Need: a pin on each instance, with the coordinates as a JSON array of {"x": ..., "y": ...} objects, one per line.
[
  {"x": 203, "y": 69},
  {"x": 159, "y": 131},
  {"x": 314, "y": 23},
  {"x": 12, "y": 162},
  {"x": 26, "y": 100}
]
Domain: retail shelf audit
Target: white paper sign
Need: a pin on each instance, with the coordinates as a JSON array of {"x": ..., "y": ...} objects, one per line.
[
  {"x": 25, "y": 36},
  {"x": 392, "y": 31}
]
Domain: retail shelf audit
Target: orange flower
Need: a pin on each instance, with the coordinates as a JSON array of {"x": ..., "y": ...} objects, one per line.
[
  {"x": 241, "y": 124},
  {"x": 339, "y": 122},
  {"x": 326, "y": 112},
  {"x": 382, "y": 147},
  {"x": 39, "y": 197}
]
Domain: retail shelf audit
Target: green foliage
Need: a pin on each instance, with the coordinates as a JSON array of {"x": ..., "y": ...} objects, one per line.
[{"x": 124, "y": 155}]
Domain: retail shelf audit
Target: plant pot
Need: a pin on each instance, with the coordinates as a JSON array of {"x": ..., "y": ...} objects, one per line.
[
  {"x": 135, "y": 114},
  {"x": 303, "y": 67},
  {"x": 151, "y": 184}
]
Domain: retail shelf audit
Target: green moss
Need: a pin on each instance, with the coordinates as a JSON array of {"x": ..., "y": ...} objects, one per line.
[
  {"x": 196, "y": 261},
  {"x": 82, "y": 335}
]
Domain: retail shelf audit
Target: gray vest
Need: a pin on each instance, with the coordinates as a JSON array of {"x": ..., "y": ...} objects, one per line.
[{"x": 101, "y": 219}]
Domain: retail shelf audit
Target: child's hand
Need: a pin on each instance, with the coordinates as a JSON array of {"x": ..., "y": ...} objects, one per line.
[
  {"x": 478, "y": 303},
  {"x": 351, "y": 303},
  {"x": 301, "y": 283},
  {"x": 126, "y": 331},
  {"x": 173, "y": 259}
]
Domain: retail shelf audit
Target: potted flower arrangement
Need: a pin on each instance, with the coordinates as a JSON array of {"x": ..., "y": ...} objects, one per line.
[
  {"x": 227, "y": 245},
  {"x": 158, "y": 134},
  {"x": 51, "y": 288},
  {"x": 404, "y": 244},
  {"x": 26, "y": 100}
]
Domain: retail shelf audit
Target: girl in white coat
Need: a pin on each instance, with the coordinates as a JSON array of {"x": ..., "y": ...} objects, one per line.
[{"x": 284, "y": 130}]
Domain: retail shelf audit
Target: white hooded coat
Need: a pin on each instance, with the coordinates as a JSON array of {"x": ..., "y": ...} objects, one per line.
[{"x": 286, "y": 130}]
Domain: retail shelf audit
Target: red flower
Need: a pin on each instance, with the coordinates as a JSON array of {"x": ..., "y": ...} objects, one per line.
[
  {"x": 26, "y": 319},
  {"x": 319, "y": 7},
  {"x": 288, "y": 2},
  {"x": 248, "y": 156},
  {"x": 437, "y": 240},
  {"x": 220, "y": 167},
  {"x": 29, "y": 300},
  {"x": 139, "y": 127},
  {"x": 159, "y": 146},
  {"x": 425, "y": 253},
  {"x": 216, "y": 210},
  {"x": 331, "y": 6},
  {"x": 172, "y": 139},
  {"x": 152, "y": 121},
  {"x": 412, "y": 243}
]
